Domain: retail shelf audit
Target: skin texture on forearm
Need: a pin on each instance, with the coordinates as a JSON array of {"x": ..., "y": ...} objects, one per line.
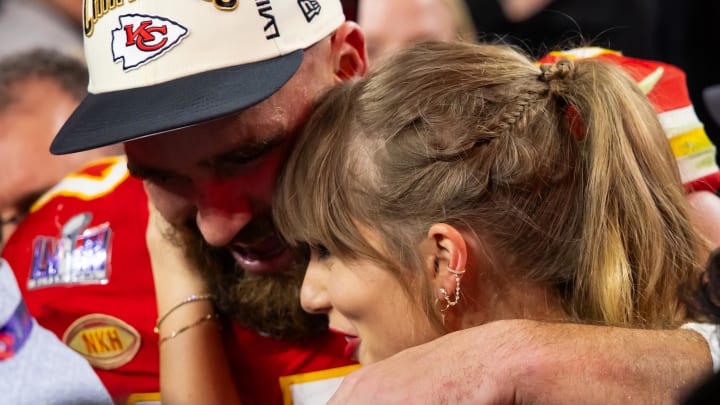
[
  {"x": 193, "y": 366},
  {"x": 612, "y": 365},
  {"x": 529, "y": 362}
]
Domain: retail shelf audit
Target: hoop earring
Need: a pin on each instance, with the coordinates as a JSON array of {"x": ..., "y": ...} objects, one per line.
[{"x": 445, "y": 297}]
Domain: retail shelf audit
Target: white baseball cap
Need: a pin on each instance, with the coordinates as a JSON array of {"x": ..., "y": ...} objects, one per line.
[{"x": 158, "y": 65}]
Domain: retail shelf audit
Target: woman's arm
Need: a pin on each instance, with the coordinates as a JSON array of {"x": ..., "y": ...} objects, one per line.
[
  {"x": 522, "y": 361},
  {"x": 194, "y": 366}
]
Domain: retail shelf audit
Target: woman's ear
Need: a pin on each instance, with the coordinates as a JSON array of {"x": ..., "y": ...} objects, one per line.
[
  {"x": 349, "y": 54},
  {"x": 446, "y": 252}
]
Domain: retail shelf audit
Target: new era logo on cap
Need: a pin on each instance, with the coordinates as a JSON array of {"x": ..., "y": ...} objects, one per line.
[
  {"x": 142, "y": 38},
  {"x": 310, "y": 8}
]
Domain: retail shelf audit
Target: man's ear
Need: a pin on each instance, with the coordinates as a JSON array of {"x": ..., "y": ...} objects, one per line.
[
  {"x": 445, "y": 248},
  {"x": 349, "y": 54}
]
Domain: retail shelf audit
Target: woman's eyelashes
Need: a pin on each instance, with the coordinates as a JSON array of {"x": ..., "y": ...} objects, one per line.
[{"x": 321, "y": 251}]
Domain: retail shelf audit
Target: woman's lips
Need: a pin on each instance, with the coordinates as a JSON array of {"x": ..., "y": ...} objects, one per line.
[
  {"x": 353, "y": 342},
  {"x": 351, "y": 347}
]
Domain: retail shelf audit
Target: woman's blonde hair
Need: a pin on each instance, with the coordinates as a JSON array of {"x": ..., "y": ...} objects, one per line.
[{"x": 562, "y": 171}]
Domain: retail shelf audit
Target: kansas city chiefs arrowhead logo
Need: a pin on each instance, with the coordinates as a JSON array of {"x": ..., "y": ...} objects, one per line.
[{"x": 142, "y": 38}]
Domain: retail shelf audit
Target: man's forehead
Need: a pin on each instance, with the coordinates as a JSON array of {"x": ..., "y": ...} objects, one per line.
[
  {"x": 204, "y": 141},
  {"x": 242, "y": 134}
]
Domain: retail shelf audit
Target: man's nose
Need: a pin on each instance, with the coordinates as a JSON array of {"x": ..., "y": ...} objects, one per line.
[
  {"x": 221, "y": 214},
  {"x": 313, "y": 293}
]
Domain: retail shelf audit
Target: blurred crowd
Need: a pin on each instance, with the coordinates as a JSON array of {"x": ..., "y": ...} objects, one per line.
[{"x": 44, "y": 77}]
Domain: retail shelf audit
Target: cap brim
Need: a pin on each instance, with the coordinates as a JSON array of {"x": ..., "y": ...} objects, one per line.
[{"x": 119, "y": 116}]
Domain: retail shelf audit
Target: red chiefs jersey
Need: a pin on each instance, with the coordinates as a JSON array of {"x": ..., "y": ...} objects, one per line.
[{"x": 84, "y": 270}]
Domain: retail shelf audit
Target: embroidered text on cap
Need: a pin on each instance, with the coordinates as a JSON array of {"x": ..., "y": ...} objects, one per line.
[{"x": 94, "y": 10}]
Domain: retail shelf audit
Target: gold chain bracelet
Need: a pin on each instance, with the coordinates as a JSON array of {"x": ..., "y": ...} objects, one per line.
[
  {"x": 174, "y": 334},
  {"x": 192, "y": 298}
]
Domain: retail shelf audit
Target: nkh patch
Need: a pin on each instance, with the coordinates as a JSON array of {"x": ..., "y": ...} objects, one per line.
[
  {"x": 105, "y": 341},
  {"x": 143, "y": 38},
  {"x": 80, "y": 255},
  {"x": 310, "y": 8}
]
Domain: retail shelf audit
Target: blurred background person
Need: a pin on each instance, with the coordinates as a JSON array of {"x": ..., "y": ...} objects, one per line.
[
  {"x": 538, "y": 26},
  {"x": 35, "y": 367},
  {"x": 46, "y": 24},
  {"x": 392, "y": 25},
  {"x": 708, "y": 295},
  {"x": 39, "y": 89},
  {"x": 689, "y": 36}
]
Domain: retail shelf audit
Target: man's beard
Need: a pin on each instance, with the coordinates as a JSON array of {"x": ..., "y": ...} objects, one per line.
[{"x": 266, "y": 303}]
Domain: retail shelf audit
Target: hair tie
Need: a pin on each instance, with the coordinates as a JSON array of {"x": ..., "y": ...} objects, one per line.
[{"x": 563, "y": 69}]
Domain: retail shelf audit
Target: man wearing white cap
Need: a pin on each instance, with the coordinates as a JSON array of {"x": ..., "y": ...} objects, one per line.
[{"x": 207, "y": 97}]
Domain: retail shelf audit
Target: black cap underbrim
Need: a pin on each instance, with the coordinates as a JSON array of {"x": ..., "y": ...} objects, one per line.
[{"x": 119, "y": 116}]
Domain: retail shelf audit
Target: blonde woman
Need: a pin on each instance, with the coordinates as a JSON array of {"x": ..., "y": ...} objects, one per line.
[{"x": 460, "y": 184}]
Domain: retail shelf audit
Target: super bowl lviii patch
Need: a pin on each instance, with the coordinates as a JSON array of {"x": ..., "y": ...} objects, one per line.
[
  {"x": 105, "y": 341},
  {"x": 79, "y": 255}
]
